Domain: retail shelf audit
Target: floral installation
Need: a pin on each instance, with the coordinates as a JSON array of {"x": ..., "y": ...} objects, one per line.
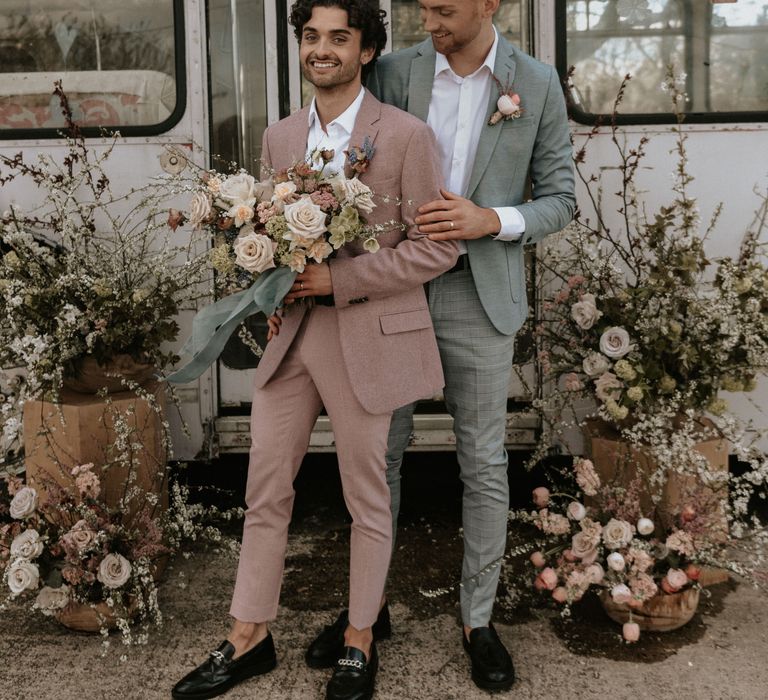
[
  {"x": 611, "y": 538},
  {"x": 65, "y": 547},
  {"x": 11, "y": 387},
  {"x": 91, "y": 271},
  {"x": 508, "y": 104}
]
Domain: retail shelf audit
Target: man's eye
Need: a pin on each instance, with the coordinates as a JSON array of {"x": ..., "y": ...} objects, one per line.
[{"x": 310, "y": 37}]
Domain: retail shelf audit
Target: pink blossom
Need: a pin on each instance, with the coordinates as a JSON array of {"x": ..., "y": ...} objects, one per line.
[
  {"x": 538, "y": 560},
  {"x": 88, "y": 485},
  {"x": 562, "y": 296},
  {"x": 693, "y": 572},
  {"x": 643, "y": 587},
  {"x": 572, "y": 382},
  {"x": 586, "y": 476},
  {"x": 577, "y": 584},
  {"x": 560, "y": 594},
  {"x": 546, "y": 580},
  {"x": 687, "y": 514},
  {"x": 575, "y": 281},
  {"x": 631, "y": 631},
  {"x": 639, "y": 559},
  {"x": 681, "y": 542},
  {"x": 541, "y": 497}
]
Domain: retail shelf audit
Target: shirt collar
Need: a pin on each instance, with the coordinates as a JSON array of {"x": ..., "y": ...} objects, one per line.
[
  {"x": 441, "y": 61},
  {"x": 346, "y": 120}
]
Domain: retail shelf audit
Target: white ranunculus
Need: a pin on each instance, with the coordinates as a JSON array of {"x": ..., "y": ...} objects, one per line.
[
  {"x": 621, "y": 593},
  {"x": 284, "y": 191},
  {"x": 585, "y": 312},
  {"x": 614, "y": 342},
  {"x": 617, "y": 533},
  {"x": 23, "y": 575},
  {"x": 255, "y": 252},
  {"x": 305, "y": 219},
  {"x": 359, "y": 195},
  {"x": 49, "y": 600},
  {"x": 114, "y": 570},
  {"x": 199, "y": 208},
  {"x": 24, "y": 503},
  {"x": 595, "y": 364},
  {"x": 239, "y": 188},
  {"x": 645, "y": 526},
  {"x": 576, "y": 511},
  {"x": 616, "y": 561},
  {"x": 27, "y": 545},
  {"x": 507, "y": 106}
]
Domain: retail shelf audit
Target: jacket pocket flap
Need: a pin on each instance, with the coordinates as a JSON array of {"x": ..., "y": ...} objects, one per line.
[{"x": 405, "y": 321}]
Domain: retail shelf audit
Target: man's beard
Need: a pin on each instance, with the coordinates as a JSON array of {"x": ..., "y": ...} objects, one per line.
[{"x": 343, "y": 75}]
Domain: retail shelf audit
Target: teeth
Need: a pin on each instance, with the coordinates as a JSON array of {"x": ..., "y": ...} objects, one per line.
[{"x": 317, "y": 64}]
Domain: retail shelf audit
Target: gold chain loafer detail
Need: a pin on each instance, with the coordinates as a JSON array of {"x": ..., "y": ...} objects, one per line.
[{"x": 220, "y": 672}]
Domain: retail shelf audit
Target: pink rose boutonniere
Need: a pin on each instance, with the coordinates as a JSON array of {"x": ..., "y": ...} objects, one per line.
[{"x": 508, "y": 104}]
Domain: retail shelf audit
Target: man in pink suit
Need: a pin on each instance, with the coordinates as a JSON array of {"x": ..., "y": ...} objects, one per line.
[{"x": 365, "y": 348}]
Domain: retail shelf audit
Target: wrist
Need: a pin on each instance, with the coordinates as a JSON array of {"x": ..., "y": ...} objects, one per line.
[{"x": 493, "y": 226}]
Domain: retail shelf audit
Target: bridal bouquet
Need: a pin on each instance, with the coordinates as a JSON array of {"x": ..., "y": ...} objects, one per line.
[{"x": 266, "y": 232}]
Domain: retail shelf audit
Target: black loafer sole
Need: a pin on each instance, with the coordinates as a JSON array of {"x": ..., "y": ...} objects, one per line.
[
  {"x": 255, "y": 670},
  {"x": 493, "y": 686}
]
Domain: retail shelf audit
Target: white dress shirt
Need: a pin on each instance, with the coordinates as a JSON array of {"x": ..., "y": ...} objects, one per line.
[
  {"x": 457, "y": 117},
  {"x": 336, "y": 135}
]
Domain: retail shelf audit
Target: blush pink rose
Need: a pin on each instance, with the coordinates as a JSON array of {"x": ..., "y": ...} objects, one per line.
[
  {"x": 674, "y": 580},
  {"x": 546, "y": 580},
  {"x": 538, "y": 560},
  {"x": 541, "y": 497},
  {"x": 693, "y": 572},
  {"x": 560, "y": 594},
  {"x": 631, "y": 631},
  {"x": 595, "y": 573}
]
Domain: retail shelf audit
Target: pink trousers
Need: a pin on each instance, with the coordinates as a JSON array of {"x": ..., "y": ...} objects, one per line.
[{"x": 312, "y": 375}]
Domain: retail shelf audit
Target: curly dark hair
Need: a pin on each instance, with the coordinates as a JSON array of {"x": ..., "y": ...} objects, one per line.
[{"x": 365, "y": 15}]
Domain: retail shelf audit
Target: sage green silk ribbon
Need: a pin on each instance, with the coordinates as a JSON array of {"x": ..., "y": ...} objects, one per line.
[{"x": 213, "y": 325}]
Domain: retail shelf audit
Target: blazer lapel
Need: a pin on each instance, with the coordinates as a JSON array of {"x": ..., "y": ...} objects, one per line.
[
  {"x": 366, "y": 124},
  {"x": 504, "y": 70},
  {"x": 295, "y": 148},
  {"x": 421, "y": 79}
]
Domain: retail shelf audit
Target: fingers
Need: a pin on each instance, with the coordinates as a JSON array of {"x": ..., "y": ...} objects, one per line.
[
  {"x": 435, "y": 205},
  {"x": 451, "y": 196},
  {"x": 447, "y": 236},
  {"x": 273, "y": 323}
]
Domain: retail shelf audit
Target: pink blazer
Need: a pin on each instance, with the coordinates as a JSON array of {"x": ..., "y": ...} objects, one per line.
[{"x": 387, "y": 339}]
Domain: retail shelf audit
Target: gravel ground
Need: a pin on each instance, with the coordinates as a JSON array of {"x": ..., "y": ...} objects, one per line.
[{"x": 720, "y": 655}]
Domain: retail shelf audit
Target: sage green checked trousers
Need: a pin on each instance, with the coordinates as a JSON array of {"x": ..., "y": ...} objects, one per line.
[{"x": 477, "y": 362}]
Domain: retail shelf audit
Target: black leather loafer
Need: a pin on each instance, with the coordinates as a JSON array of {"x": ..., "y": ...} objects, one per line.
[
  {"x": 492, "y": 667},
  {"x": 354, "y": 676},
  {"x": 220, "y": 671},
  {"x": 328, "y": 646}
]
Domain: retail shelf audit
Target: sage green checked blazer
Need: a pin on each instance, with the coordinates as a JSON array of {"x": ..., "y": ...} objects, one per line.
[{"x": 536, "y": 146}]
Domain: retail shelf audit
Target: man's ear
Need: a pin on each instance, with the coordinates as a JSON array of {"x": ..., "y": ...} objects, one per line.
[
  {"x": 490, "y": 7},
  {"x": 367, "y": 56}
]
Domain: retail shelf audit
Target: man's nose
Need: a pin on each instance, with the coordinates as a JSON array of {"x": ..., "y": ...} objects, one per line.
[{"x": 429, "y": 21}]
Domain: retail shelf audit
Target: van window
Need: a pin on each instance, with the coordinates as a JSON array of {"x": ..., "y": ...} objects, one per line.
[
  {"x": 721, "y": 47},
  {"x": 116, "y": 60}
]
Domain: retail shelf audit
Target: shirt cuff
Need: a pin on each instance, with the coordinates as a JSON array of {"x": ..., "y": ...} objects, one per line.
[{"x": 512, "y": 224}]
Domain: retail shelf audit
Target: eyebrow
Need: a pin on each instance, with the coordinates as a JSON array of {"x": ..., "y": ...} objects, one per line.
[{"x": 333, "y": 31}]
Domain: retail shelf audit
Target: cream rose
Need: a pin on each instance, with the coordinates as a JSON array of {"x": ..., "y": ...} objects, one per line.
[
  {"x": 22, "y": 576},
  {"x": 238, "y": 188},
  {"x": 80, "y": 537},
  {"x": 199, "y": 208},
  {"x": 645, "y": 526},
  {"x": 49, "y": 600},
  {"x": 284, "y": 191},
  {"x": 585, "y": 312},
  {"x": 607, "y": 385},
  {"x": 616, "y": 561},
  {"x": 24, "y": 503},
  {"x": 615, "y": 342},
  {"x": 27, "y": 545},
  {"x": 595, "y": 364},
  {"x": 621, "y": 594},
  {"x": 584, "y": 547},
  {"x": 595, "y": 573},
  {"x": 241, "y": 212},
  {"x": 114, "y": 570},
  {"x": 255, "y": 252},
  {"x": 617, "y": 534},
  {"x": 676, "y": 579},
  {"x": 359, "y": 195},
  {"x": 305, "y": 219}
]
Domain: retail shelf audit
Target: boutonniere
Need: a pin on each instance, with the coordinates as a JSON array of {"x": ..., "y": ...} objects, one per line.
[
  {"x": 360, "y": 157},
  {"x": 508, "y": 104}
]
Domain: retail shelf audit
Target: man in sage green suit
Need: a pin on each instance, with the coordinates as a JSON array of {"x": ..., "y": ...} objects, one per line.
[{"x": 453, "y": 81}]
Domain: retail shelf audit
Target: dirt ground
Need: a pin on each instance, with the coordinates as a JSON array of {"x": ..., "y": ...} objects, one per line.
[{"x": 720, "y": 655}]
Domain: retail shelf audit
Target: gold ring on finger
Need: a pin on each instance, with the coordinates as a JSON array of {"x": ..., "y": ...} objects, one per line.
[
  {"x": 301, "y": 286},
  {"x": 452, "y": 225}
]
